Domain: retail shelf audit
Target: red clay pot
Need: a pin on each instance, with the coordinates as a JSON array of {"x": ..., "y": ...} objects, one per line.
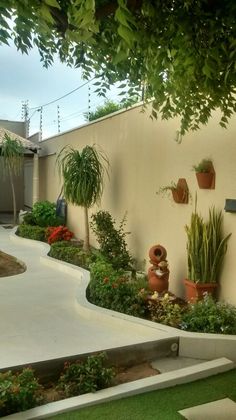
[
  {"x": 196, "y": 291},
  {"x": 158, "y": 284},
  {"x": 205, "y": 179},
  {"x": 180, "y": 195},
  {"x": 157, "y": 253}
]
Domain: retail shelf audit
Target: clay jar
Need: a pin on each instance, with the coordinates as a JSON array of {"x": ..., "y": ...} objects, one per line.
[
  {"x": 157, "y": 253},
  {"x": 157, "y": 283}
]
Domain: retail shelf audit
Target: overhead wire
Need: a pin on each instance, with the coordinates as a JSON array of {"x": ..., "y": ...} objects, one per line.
[{"x": 63, "y": 96}]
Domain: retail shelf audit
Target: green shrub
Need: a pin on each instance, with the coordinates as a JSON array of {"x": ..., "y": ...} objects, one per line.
[
  {"x": 29, "y": 219},
  {"x": 44, "y": 214},
  {"x": 208, "y": 316},
  {"x": 110, "y": 289},
  {"x": 18, "y": 392},
  {"x": 31, "y": 232},
  {"x": 164, "y": 311},
  {"x": 109, "y": 107},
  {"x": 111, "y": 240},
  {"x": 86, "y": 376},
  {"x": 66, "y": 251}
]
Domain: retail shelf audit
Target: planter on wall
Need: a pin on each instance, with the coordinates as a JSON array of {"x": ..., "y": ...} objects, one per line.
[
  {"x": 181, "y": 193},
  {"x": 195, "y": 291},
  {"x": 206, "y": 180}
]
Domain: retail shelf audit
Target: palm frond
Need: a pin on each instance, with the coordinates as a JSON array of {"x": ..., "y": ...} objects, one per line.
[
  {"x": 12, "y": 153},
  {"x": 83, "y": 174}
]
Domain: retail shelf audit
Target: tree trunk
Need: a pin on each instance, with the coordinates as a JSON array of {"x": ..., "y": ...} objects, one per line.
[
  {"x": 86, "y": 238},
  {"x": 13, "y": 196}
]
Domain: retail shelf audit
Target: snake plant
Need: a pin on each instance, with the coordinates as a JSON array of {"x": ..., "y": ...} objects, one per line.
[{"x": 206, "y": 247}]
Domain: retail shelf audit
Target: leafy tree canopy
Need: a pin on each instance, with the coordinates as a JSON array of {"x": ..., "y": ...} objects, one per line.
[{"x": 182, "y": 51}]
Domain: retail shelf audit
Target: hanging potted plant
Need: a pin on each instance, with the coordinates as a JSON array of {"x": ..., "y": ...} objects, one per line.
[
  {"x": 179, "y": 191},
  {"x": 206, "y": 248},
  {"x": 205, "y": 174}
]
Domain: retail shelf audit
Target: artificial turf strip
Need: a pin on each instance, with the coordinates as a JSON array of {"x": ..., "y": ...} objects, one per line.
[{"x": 163, "y": 404}]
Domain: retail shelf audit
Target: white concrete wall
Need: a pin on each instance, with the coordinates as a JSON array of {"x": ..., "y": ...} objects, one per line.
[{"x": 143, "y": 157}]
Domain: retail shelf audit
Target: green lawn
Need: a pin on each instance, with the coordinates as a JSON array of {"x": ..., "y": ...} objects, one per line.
[{"x": 163, "y": 404}]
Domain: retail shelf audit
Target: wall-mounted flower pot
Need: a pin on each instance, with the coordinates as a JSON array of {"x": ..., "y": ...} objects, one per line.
[
  {"x": 205, "y": 179},
  {"x": 195, "y": 291},
  {"x": 181, "y": 193}
]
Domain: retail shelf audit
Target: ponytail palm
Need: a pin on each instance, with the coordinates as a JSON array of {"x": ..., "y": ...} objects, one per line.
[
  {"x": 12, "y": 153},
  {"x": 83, "y": 174}
]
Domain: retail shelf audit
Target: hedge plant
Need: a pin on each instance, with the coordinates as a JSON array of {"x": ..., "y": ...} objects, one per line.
[{"x": 31, "y": 232}]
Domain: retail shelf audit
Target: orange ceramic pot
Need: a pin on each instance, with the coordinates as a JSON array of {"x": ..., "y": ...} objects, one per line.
[
  {"x": 196, "y": 291},
  {"x": 157, "y": 253},
  {"x": 205, "y": 179},
  {"x": 156, "y": 283}
]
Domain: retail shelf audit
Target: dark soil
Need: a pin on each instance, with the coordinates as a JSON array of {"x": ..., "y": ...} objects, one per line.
[{"x": 10, "y": 266}]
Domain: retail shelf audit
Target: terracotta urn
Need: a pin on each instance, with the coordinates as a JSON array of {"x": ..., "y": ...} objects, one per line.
[
  {"x": 157, "y": 253},
  {"x": 158, "y": 282}
]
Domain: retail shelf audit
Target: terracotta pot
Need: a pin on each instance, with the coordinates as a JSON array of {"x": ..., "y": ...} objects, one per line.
[
  {"x": 157, "y": 253},
  {"x": 205, "y": 179},
  {"x": 196, "y": 291},
  {"x": 180, "y": 195},
  {"x": 158, "y": 284}
]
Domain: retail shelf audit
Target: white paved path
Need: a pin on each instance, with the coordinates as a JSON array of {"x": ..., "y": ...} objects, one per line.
[{"x": 39, "y": 316}]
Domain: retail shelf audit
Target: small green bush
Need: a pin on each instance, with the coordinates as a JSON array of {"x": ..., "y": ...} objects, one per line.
[
  {"x": 111, "y": 240},
  {"x": 110, "y": 289},
  {"x": 208, "y": 316},
  {"x": 31, "y": 232},
  {"x": 44, "y": 214},
  {"x": 164, "y": 311},
  {"x": 29, "y": 219},
  {"x": 66, "y": 251},
  {"x": 86, "y": 376},
  {"x": 18, "y": 392}
]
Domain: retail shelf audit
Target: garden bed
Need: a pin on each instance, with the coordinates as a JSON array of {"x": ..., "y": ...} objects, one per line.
[
  {"x": 53, "y": 380},
  {"x": 123, "y": 375},
  {"x": 10, "y": 266}
]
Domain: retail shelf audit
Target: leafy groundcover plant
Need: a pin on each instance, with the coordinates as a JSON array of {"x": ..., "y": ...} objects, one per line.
[
  {"x": 31, "y": 232},
  {"x": 86, "y": 376},
  {"x": 18, "y": 392},
  {"x": 21, "y": 391},
  {"x": 72, "y": 253},
  {"x": 44, "y": 214},
  {"x": 209, "y": 316},
  {"x": 111, "y": 289},
  {"x": 164, "y": 311}
]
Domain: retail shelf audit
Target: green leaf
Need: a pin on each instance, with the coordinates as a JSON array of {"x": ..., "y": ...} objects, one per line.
[
  {"x": 126, "y": 34},
  {"x": 52, "y": 3}
]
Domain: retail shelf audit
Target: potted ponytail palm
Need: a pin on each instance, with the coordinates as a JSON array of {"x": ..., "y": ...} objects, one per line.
[{"x": 206, "y": 248}]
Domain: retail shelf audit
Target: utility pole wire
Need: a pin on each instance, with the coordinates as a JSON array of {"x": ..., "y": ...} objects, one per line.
[{"x": 64, "y": 96}]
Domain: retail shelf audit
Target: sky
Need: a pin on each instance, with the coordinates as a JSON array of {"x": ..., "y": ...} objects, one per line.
[{"x": 23, "y": 78}]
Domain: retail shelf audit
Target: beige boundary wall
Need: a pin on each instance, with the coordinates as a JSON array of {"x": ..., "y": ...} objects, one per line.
[{"x": 143, "y": 157}]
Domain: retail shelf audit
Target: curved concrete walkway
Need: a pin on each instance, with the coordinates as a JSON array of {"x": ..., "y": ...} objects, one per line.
[{"x": 40, "y": 318}]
